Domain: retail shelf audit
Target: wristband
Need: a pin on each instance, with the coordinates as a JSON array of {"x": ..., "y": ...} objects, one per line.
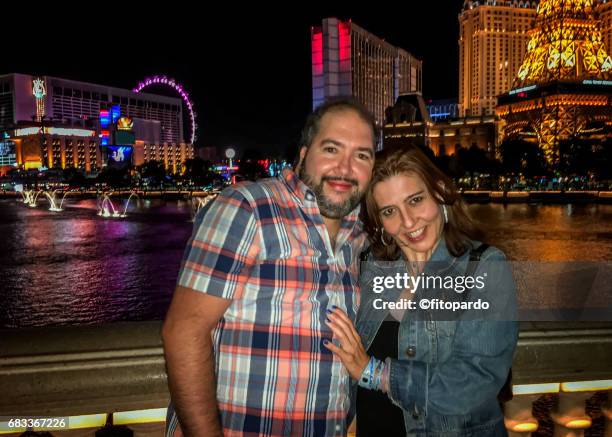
[{"x": 371, "y": 377}]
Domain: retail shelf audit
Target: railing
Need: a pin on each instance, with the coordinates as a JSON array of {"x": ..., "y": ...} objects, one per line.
[
  {"x": 89, "y": 370},
  {"x": 560, "y": 371}
]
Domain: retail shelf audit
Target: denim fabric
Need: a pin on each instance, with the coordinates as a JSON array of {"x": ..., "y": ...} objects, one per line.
[{"x": 448, "y": 373}]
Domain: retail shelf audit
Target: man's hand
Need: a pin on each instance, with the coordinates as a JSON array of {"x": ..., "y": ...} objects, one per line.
[
  {"x": 351, "y": 351},
  {"x": 190, "y": 360}
]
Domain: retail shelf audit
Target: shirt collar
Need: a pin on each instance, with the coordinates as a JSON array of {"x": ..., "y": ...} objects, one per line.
[
  {"x": 296, "y": 187},
  {"x": 441, "y": 258}
]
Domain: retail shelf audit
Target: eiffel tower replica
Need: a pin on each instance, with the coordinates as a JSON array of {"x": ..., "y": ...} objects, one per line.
[{"x": 563, "y": 89}]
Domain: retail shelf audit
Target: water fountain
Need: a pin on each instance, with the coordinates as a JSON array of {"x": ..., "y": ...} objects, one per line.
[
  {"x": 27, "y": 196},
  {"x": 128, "y": 203},
  {"x": 107, "y": 209},
  {"x": 30, "y": 197},
  {"x": 53, "y": 200}
]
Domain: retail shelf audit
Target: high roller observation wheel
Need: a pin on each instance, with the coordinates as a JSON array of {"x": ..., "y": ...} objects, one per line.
[{"x": 164, "y": 80}]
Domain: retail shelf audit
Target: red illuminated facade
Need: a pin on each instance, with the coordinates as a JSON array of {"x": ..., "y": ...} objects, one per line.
[{"x": 348, "y": 61}]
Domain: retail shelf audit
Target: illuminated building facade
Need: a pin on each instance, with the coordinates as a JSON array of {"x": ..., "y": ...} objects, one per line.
[
  {"x": 348, "y": 61},
  {"x": 448, "y": 136},
  {"x": 563, "y": 88},
  {"x": 408, "y": 122},
  {"x": 603, "y": 12},
  {"x": 171, "y": 155},
  {"x": 55, "y": 123},
  {"x": 8, "y": 154},
  {"x": 492, "y": 45},
  {"x": 57, "y": 147},
  {"x": 443, "y": 109}
]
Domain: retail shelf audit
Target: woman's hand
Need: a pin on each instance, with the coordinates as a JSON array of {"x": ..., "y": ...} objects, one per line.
[{"x": 351, "y": 351}]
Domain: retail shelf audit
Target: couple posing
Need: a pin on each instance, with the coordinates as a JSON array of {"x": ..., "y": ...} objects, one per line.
[{"x": 272, "y": 330}]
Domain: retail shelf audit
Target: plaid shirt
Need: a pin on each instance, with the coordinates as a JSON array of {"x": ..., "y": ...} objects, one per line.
[{"x": 265, "y": 246}]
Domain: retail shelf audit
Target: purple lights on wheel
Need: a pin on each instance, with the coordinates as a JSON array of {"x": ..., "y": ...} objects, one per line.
[{"x": 164, "y": 80}]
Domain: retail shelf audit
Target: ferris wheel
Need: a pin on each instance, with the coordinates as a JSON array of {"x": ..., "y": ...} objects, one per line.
[{"x": 166, "y": 81}]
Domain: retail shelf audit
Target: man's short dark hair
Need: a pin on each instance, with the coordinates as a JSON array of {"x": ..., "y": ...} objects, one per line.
[{"x": 313, "y": 122}]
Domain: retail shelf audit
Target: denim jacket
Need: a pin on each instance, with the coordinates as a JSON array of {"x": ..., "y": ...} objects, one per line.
[{"x": 448, "y": 373}]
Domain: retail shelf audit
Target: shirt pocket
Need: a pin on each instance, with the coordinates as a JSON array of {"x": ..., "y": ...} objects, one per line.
[{"x": 444, "y": 333}]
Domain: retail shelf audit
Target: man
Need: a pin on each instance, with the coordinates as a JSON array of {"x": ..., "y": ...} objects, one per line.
[{"x": 243, "y": 337}]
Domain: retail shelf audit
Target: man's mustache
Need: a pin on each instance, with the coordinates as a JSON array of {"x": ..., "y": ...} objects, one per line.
[{"x": 339, "y": 179}]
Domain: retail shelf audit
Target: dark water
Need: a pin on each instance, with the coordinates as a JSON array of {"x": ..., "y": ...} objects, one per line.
[
  {"x": 74, "y": 267},
  {"x": 536, "y": 232}
]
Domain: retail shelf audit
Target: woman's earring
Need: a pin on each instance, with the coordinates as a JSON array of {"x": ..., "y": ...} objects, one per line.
[
  {"x": 382, "y": 238},
  {"x": 445, "y": 212}
]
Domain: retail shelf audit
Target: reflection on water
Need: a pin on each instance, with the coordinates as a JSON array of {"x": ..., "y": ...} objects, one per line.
[
  {"x": 549, "y": 232},
  {"x": 75, "y": 267}
]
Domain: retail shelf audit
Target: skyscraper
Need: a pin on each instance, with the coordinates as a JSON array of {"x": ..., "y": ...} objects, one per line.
[
  {"x": 349, "y": 61},
  {"x": 492, "y": 45}
]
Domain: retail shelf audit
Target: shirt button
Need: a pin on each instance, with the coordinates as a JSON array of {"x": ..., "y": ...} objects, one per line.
[
  {"x": 309, "y": 196},
  {"x": 411, "y": 351}
]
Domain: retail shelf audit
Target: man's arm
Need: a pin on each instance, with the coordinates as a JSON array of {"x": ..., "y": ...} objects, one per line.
[{"x": 190, "y": 360}]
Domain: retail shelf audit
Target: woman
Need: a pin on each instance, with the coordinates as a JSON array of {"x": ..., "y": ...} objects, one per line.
[{"x": 426, "y": 372}]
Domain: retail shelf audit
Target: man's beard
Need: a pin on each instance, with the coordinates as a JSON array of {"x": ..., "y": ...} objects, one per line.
[{"x": 328, "y": 208}]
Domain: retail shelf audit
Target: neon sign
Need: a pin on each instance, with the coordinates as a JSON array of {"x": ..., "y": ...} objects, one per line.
[
  {"x": 104, "y": 118},
  {"x": 54, "y": 131},
  {"x": 522, "y": 90},
  {"x": 125, "y": 123},
  {"x": 115, "y": 113},
  {"x": 39, "y": 90},
  {"x": 597, "y": 82}
]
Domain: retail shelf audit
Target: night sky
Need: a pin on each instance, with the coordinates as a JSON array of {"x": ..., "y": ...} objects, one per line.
[{"x": 247, "y": 69}]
